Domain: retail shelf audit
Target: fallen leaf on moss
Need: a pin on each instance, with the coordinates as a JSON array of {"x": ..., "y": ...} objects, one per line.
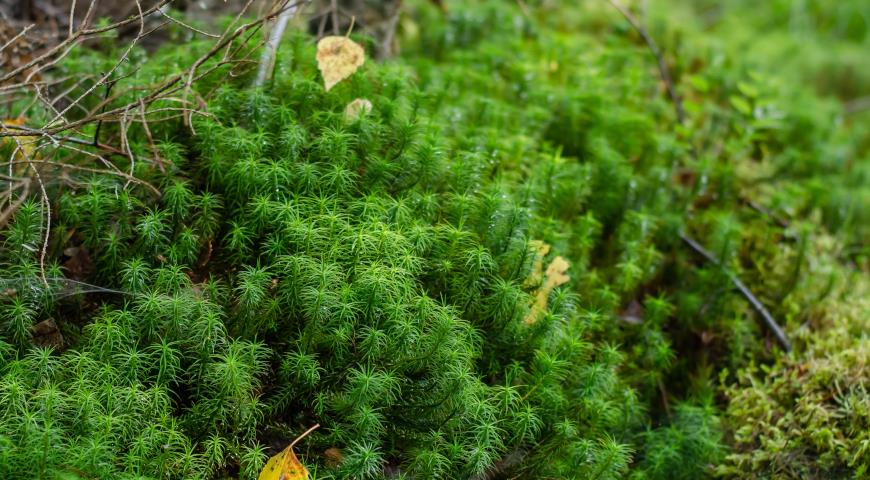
[
  {"x": 46, "y": 334},
  {"x": 539, "y": 250},
  {"x": 24, "y": 144},
  {"x": 337, "y": 59},
  {"x": 356, "y": 109},
  {"x": 284, "y": 466},
  {"x": 554, "y": 276}
]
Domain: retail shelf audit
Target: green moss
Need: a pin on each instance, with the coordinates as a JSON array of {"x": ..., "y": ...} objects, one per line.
[{"x": 373, "y": 275}]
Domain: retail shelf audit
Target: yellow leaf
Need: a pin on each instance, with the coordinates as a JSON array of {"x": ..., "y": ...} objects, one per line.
[
  {"x": 356, "y": 109},
  {"x": 540, "y": 250},
  {"x": 554, "y": 277},
  {"x": 337, "y": 59},
  {"x": 556, "y": 273},
  {"x": 284, "y": 466},
  {"x": 24, "y": 145}
]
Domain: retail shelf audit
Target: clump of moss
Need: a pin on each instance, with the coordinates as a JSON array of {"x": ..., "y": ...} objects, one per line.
[
  {"x": 377, "y": 275},
  {"x": 806, "y": 416}
]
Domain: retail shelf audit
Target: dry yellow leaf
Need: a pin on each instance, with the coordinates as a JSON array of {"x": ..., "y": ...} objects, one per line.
[
  {"x": 14, "y": 122},
  {"x": 556, "y": 273},
  {"x": 356, "y": 109},
  {"x": 24, "y": 144},
  {"x": 540, "y": 250},
  {"x": 284, "y": 466},
  {"x": 554, "y": 276},
  {"x": 337, "y": 59}
]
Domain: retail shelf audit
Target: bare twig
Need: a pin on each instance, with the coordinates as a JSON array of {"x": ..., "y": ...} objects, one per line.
[
  {"x": 524, "y": 8},
  {"x": 744, "y": 290},
  {"x": 147, "y": 130},
  {"x": 267, "y": 60},
  {"x": 660, "y": 59},
  {"x": 181, "y": 82},
  {"x": 109, "y": 86},
  {"x": 91, "y": 170},
  {"x": 781, "y": 222},
  {"x": 189, "y": 27},
  {"x": 108, "y": 74},
  {"x": 80, "y": 34},
  {"x": 16, "y": 37},
  {"x": 46, "y": 205},
  {"x": 303, "y": 435},
  {"x": 72, "y": 16},
  {"x": 7, "y": 213}
]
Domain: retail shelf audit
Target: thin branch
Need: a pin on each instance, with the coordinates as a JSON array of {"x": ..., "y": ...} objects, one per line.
[
  {"x": 11, "y": 209},
  {"x": 108, "y": 74},
  {"x": 72, "y": 15},
  {"x": 304, "y": 434},
  {"x": 109, "y": 86},
  {"x": 89, "y": 15},
  {"x": 189, "y": 27},
  {"x": 744, "y": 290},
  {"x": 22, "y": 131},
  {"x": 660, "y": 59},
  {"x": 78, "y": 35},
  {"x": 781, "y": 222},
  {"x": 46, "y": 205},
  {"x": 150, "y": 138},
  {"x": 90, "y": 170},
  {"x": 16, "y": 37}
]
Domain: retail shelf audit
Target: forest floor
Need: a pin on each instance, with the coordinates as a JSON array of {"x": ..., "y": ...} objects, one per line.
[{"x": 484, "y": 239}]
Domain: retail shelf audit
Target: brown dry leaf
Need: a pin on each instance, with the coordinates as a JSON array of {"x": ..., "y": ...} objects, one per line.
[
  {"x": 338, "y": 58},
  {"x": 284, "y": 466},
  {"x": 356, "y": 109},
  {"x": 46, "y": 334},
  {"x": 554, "y": 277},
  {"x": 334, "y": 457}
]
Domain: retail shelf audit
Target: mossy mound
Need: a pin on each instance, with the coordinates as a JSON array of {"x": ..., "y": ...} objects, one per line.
[{"x": 386, "y": 276}]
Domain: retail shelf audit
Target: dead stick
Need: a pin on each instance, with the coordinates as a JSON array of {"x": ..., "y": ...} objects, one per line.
[
  {"x": 660, "y": 59},
  {"x": 267, "y": 60},
  {"x": 304, "y": 434},
  {"x": 744, "y": 290}
]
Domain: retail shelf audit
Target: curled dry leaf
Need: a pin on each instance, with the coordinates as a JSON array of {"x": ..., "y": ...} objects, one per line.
[
  {"x": 554, "y": 276},
  {"x": 356, "y": 109},
  {"x": 337, "y": 59}
]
